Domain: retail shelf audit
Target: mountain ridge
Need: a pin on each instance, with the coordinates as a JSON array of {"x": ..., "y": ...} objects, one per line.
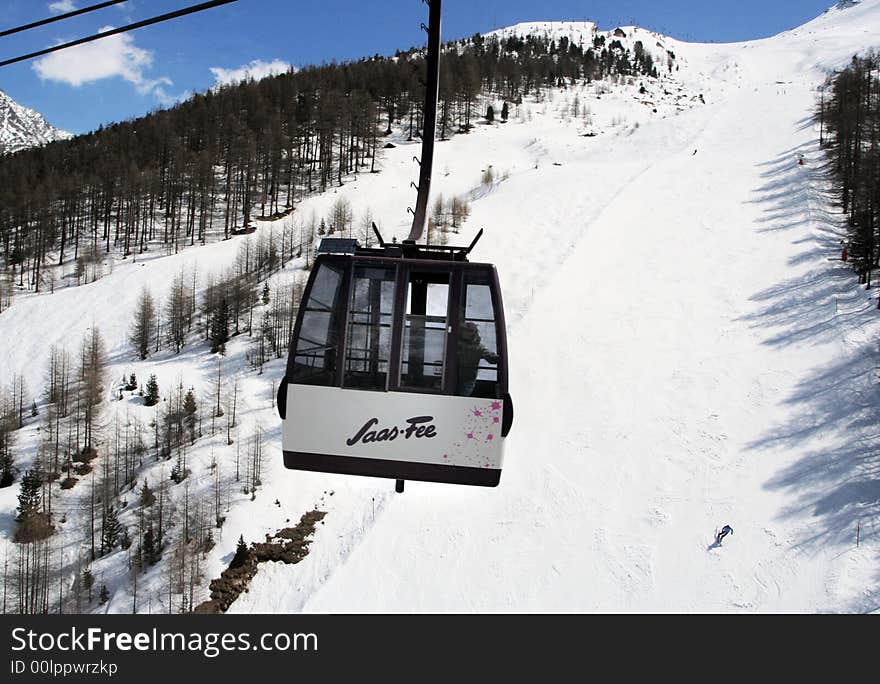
[{"x": 21, "y": 127}]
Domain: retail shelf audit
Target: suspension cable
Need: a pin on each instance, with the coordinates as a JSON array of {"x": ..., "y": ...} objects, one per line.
[
  {"x": 123, "y": 29},
  {"x": 66, "y": 15}
]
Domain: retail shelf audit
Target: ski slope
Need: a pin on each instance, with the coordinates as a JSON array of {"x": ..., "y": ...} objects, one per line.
[{"x": 684, "y": 355}]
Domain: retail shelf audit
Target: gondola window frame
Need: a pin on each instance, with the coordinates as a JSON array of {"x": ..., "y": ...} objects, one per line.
[
  {"x": 335, "y": 326},
  {"x": 347, "y": 342}
]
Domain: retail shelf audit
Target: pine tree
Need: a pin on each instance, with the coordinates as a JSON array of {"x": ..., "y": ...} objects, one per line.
[
  {"x": 490, "y": 114},
  {"x": 504, "y": 112},
  {"x": 190, "y": 414},
  {"x": 178, "y": 472},
  {"x": 7, "y": 477},
  {"x": 208, "y": 542},
  {"x": 151, "y": 398},
  {"x": 241, "y": 553},
  {"x": 149, "y": 546},
  {"x": 143, "y": 325},
  {"x": 104, "y": 596},
  {"x": 33, "y": 522},
  {"x": 219, "y": 326},
  {"x": 7, "y": 439},
  {"x": 111, "y": 530},
  {"x": 266, "y": 293},
  {"x": 88, "y": 580},
  {"x": 147, "y": 497},
  {"x": 29, "y": 496}
]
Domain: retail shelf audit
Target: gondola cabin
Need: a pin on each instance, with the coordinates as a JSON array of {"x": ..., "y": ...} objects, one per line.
[{"x": 398, "y": 366}]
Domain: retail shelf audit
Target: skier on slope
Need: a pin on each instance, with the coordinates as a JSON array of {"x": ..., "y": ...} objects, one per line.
[{"x": 727, "y": 529}]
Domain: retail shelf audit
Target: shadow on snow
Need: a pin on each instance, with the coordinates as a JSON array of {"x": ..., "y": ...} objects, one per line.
[{"x": 835, "y": 424}]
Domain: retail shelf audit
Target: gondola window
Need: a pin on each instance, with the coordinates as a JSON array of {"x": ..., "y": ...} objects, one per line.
[
  {"x": 370, "y": 318},
  {"x": 315, "y": 360},
  {"x": 477, "y": 353},
  {"x": 424, "y": 335}
]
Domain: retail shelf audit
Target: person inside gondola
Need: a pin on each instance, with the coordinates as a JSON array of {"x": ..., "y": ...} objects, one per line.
[{"x": 470, "y": 352}]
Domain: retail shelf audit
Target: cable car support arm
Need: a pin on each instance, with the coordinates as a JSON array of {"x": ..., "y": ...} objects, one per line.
[{"x": 430, "y": 120}]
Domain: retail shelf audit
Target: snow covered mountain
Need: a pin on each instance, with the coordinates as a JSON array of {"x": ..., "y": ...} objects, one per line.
[
  {"x": 21, "y": 127},
  {"x": 684, "y": 354}
]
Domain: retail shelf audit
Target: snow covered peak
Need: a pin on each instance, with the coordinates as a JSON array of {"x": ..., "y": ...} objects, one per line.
[
  {"x": 858, "y": 20},
  {"x": 585, "y": 33},
  {"x": 551, "y": 29},
  {"x": 21, "y": 127},
  {"x": 848, "y": 15},
  {"x": 578, "y": 32}
]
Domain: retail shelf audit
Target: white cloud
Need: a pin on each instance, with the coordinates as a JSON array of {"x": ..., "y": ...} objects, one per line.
[
  {"x": 61, "y": 6},
  {"x": 254, "y": 70},
  {"x": 106, "y": 58},
  {"x": 166, "y": 99}
]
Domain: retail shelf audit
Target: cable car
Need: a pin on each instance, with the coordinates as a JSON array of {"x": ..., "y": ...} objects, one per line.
[
  {"x": 398, "y": 360},
  {"x": 398, "y": 367}
]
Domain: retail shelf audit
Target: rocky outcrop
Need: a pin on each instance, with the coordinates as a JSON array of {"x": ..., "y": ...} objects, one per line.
[{"x": 289, "y": 545}]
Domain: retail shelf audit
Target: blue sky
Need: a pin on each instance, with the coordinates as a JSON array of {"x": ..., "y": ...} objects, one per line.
[{"x": 127, "y": 76}]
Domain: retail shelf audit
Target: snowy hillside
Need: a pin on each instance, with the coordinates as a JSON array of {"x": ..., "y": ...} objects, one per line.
[
  {"x": 678, "y": 336},
  {"x": 21, "y": 127}
]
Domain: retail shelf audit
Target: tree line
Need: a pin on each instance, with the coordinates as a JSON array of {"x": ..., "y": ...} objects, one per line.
[
  {"x": 206, "y": 168},
  {"x": 848, "y": 113}
]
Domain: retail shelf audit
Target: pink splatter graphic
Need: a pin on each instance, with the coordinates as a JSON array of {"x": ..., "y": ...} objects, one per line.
[{"x": 479, "y": 428}]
